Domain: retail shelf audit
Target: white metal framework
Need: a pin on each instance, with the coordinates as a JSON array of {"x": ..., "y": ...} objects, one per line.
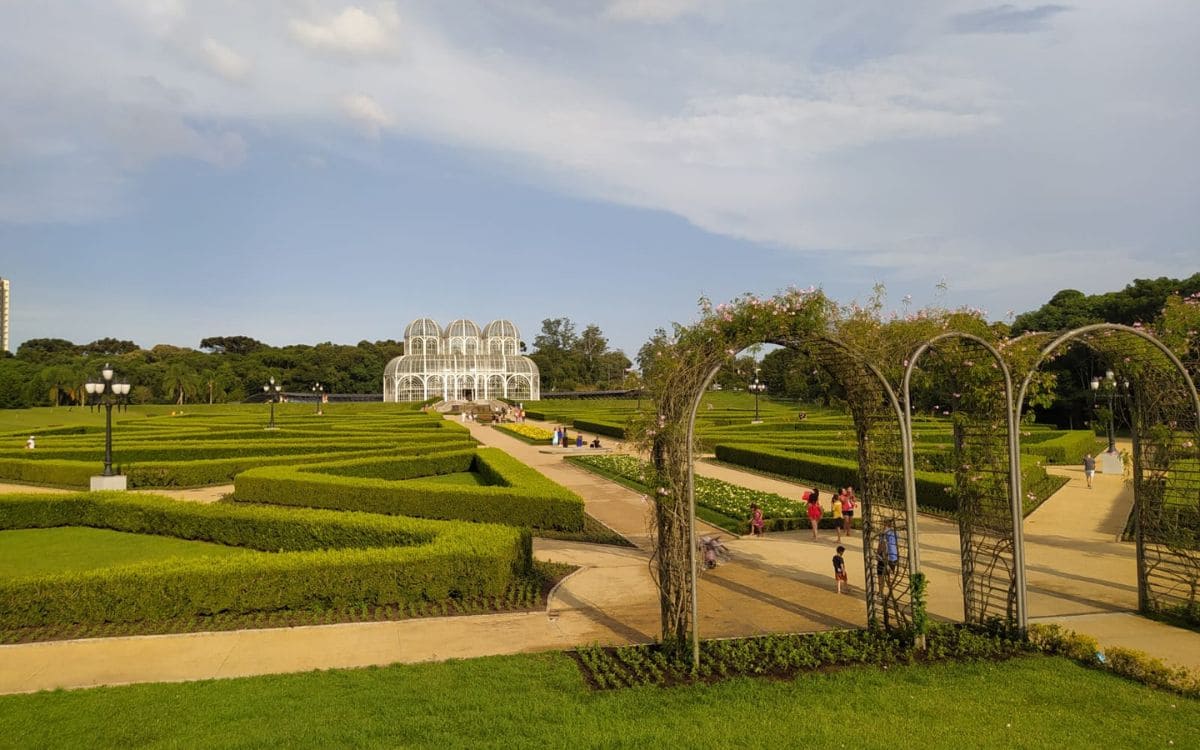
[{"x": 461, "y": 363}]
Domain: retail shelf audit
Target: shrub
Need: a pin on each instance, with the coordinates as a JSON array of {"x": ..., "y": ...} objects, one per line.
[
  {"x": 1068, "y": 447},
  {"x": 521, "y": 496},
  {"x": 309, "y": 560},
  {"x": 610, "y": 429}
]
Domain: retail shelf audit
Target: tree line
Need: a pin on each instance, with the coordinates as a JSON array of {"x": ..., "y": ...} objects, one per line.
[
  {"x": 1169, "y": 308},
  {"x": 52, "y": 371}
]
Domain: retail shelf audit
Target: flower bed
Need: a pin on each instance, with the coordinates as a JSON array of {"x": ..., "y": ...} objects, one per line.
[
  {"x": 527, "y": 432},
  {"x": 725, "y": 498}
]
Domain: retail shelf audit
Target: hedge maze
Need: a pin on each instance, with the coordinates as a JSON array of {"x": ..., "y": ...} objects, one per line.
[
  {"x": 305, "y": 560},
  {"x": 370, "y": 512},
  {"x": 192, "y": 451},
  {"x": 513, "y": 493}
]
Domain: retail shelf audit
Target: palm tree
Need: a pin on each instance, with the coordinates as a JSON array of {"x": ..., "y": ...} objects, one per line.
[
  {"x": 180, "y": 382},
  {"x": 59, "y": 381}
]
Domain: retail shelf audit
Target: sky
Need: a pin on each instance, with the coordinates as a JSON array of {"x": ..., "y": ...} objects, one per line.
[{"x": 305, "y": 171}]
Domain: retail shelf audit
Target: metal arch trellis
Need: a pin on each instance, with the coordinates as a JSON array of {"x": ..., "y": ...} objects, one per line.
[
  {"x": 986, "y": 468},
  {"x": 883, "y": 442},
  {"x": 1164, "y": 413}
]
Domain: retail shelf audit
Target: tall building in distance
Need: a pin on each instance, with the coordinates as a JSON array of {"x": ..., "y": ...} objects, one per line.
[{"x": 4, "y": 316}]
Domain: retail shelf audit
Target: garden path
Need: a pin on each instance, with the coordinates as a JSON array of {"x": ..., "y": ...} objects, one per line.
[
  {"x": 1082, "y": 578},
  {"x": 1078, "y": 572}
]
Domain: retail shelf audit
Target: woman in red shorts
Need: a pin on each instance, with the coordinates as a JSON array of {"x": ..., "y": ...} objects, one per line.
[{"x": 814, "y": 510}]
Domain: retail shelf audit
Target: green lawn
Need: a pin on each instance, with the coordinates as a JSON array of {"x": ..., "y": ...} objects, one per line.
[
  {"x": 540, "y": 701},
  {"x": 468, "y": 478},
  {"x": 25, "y": 552}
]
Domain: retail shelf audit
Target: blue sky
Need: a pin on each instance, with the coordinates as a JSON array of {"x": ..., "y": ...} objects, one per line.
[{"x": 311, "y": 171}]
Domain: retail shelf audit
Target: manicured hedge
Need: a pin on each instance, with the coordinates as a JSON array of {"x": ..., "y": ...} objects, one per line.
[
  {"x": 611, "y": 429},
  {"x": 1067, "y": 448},
  {"x": 520, "y": 496},
  {"x": 310, "y": 560},
  {"x": 168, "y": 448},
  {"x": 179, "y": 473}
]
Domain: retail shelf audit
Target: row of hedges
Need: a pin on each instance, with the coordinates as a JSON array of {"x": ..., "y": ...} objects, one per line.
[
  {"x": 328, "y": 560},
  {"x": 520, "y": 497},
  {"x": 1067, "y": 448},
  {"x": 176, "y": 473},
  {"x": 609, "y": 429},
  {"x": 160, "y": 450}
]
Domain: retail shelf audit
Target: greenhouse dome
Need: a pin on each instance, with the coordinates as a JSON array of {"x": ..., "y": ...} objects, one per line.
[{"x": 461, "y": 363}]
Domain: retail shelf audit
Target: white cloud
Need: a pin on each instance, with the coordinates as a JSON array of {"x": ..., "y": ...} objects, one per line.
[
  {"x": 225, "y": 62},
  {"x": 652, "y": 11},
  {"x": 353, "y": 32},
  {"x": 159, "y": 17},
  {"x": 366, "y": 113},
  {"x": 877, "y": 135}
]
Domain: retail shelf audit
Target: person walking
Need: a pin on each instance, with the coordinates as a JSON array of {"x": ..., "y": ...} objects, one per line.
[
  {"x": 814, "y": 510},
  {"x": 836, "y": 510},
  {"x": 1089, "y": 469}
]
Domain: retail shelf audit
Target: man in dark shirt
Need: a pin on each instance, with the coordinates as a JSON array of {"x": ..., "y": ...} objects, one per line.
[{"x": 1089, "y": 469}]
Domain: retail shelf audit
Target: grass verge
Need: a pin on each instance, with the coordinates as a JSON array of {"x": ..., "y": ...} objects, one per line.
[{"x": 540, "y": 701}]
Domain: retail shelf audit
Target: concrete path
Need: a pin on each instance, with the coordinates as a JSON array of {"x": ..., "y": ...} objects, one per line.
[{"x": 195, "y": 494}]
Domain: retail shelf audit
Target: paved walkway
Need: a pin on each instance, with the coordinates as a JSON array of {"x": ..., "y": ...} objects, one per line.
[{"x": 1078, "y": 572}]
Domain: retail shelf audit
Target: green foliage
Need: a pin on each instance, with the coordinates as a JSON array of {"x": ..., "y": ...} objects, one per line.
[
  {"x": 307, "y": 560},
  {"x": 51, "y": 371},
  {"x": 788, "y": 655},
  {"x": 569, "y": 361},
  {"x": 520, "y": 496},
  {"x": 1067, "y": 448},
  {"x": 207, "y": 448},
  {"x": 1128, "y": 663}
]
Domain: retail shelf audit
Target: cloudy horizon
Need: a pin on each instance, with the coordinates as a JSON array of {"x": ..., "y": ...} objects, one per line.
[{"x": 309, "y": 171}]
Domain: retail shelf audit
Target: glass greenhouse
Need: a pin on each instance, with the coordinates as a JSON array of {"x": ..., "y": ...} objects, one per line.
[{"x": 461, "y": 363}]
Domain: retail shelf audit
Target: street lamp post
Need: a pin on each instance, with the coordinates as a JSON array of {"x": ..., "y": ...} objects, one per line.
[
  {"x": 1109, "y": 386},
  {"x": 108, "y": 394},
  {"x": 757, "y": 387},
  {"x": 319, "y": 391},
  {"x": 272, "y": 390}
]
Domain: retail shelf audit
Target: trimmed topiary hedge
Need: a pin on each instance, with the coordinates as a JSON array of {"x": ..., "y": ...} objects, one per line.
[
  {"x": 609, "y": 429},
  {"x": 519, "y": 496},
  {"x": 1067, "y": 448},
  {"x": 184, "y": 473},
  {"x": 310, "y": 560}
]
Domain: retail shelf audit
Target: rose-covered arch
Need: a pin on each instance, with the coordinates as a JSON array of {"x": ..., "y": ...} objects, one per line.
[
  {"x": 976, "y": 387},
  {"x": 798, "y": 319},
  {"x": 1164, "y": 415}
]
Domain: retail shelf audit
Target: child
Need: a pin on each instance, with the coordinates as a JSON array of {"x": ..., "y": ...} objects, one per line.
[
  {"x": 756, "y": 520},
  {"x": 839, "y": 570},
  {"x": 837, "y": 515}
]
